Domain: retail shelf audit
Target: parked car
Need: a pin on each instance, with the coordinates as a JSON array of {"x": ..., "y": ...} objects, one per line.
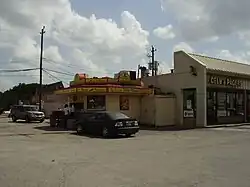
[
  {"x": 26, "y": 112},
  {"x": 107, "y": 124}
]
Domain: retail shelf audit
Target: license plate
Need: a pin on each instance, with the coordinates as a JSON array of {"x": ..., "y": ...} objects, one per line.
[{"x": 128, "y": 123}]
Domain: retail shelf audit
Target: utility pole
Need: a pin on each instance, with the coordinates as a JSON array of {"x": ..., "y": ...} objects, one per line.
[
  {"x": 153, "y": 50},
  {"x": 41, "y": 69},
  {"x": 138, "y": 71}
]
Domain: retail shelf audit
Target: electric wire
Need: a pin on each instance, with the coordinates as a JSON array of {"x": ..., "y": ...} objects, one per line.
[
  {"x": 59, "y": 72},
  {"x": 17, "y": 70},
  {"x": 54, "y": 77}
]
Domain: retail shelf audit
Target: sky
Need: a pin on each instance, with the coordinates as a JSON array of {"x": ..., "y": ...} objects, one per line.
[{"x": 101, "y": 38}]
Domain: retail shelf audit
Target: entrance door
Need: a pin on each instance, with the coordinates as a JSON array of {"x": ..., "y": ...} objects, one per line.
[
  {"x": 189, "y": 108},
  {"x": 211, "y": 108},
  {"x": 248, "y": 107}
]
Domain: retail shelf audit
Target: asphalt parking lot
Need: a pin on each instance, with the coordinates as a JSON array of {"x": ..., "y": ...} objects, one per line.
[{"x": 33, "y": 155}]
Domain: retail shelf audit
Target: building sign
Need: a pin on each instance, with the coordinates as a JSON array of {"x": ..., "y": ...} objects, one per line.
[
  {"x": 188, "y": 114},
  {"x": 124, "y": 102},
  {"x": 225, "y": 81},
  {"x": 96, "y": 80},
  {"x": 92, "y": 90},
  {"x": 66, "y": 91},
  {"x": 123, "y": 77},
  {"x": 105, "y": 90},
  {"x": 129, "y": 90}
]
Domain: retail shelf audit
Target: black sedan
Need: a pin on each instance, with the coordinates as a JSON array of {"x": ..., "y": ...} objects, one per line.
[{"x": 107, "y": 124}]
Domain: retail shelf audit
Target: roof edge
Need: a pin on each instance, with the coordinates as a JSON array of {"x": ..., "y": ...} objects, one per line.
[{"x": 189, "y": 55}]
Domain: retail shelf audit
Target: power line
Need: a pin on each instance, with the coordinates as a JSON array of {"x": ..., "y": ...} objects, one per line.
[
  {"x": 11, "y": 75},
  {"x": 55, "y": 77},
  {"x": 18, "y": 70},
  {"x": 54, "y": 63},
  {"x": 69, "y": 74},
  {"x": 52, "y": 78},
  {"x": 78, "y": 67}
]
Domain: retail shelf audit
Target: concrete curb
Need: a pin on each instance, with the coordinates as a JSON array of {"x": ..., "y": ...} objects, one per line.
[{"x": 228, "y": 125}]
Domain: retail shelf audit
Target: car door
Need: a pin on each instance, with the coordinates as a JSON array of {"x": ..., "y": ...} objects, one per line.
[
  {"x": 99, "y": 122},
  {"x": 20, "y": 112},
  {"x": 90, "y": 122}
]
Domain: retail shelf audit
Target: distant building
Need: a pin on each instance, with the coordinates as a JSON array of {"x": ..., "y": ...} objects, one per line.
[{"x": 49, "y": 101}]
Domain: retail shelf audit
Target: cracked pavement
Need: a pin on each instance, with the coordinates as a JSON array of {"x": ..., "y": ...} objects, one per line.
[{"x": 31, "y": 156}]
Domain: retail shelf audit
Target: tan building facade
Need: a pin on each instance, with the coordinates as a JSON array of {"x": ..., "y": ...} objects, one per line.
[{"x": 208, "y": 91}]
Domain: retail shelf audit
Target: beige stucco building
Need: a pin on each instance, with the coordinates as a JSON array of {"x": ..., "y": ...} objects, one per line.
[
  {"x": 207, "y": 90},
  {"x": 199, "y": 91}
]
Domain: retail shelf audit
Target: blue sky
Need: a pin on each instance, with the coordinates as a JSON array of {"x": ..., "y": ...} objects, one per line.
[
  {"x": 148, "y": 13},
  {"x": 78, "y": 42}
]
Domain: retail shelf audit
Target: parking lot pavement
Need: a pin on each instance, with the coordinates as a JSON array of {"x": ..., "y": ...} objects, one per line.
[{"x": 204, "y": 157}]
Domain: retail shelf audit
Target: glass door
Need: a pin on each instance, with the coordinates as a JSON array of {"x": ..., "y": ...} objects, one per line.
[
  {"x": 211, "y": 108},
  {"x": 189, "y": 108}
]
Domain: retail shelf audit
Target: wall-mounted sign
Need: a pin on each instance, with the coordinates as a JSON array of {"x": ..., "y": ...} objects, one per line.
[
  {"x": 105, "y": 90},
  {"x": 92, "y": 90},
  {"x": 224, "y": 81},
  {"x": 188, "y": 114},
  {"x": 124, "y": 102},
  {"x": 129, "y": 90},
  {"x": 65, "y": 91}
]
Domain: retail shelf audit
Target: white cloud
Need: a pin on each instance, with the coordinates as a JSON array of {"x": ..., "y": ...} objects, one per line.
[
  {"x": 98, "y": 45},
  {"x": 201, "y": 19},
  {"x": 163, "y": 68},
  {"x": 164, "y": 32},
  {"x": 240, "y": 56},
  {"x": 183, "y": 46}
]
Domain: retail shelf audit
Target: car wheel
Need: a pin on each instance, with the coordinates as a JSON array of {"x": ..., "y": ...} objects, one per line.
[
  {"x": 13, "y": 118},
  {"x": 105, "y": 132},
  {"x": 79, "y": 129},
  {"x": 27, "y": 119},
  {"x": 41, "y": 121}
]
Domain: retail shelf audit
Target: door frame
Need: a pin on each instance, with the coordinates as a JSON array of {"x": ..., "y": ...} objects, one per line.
[{"x": 189, "y": 122}]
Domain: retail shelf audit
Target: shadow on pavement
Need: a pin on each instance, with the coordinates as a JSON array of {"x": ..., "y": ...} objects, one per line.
[
  {"x": 168, "y": 128},
  {"x": 100, "y": 137},
  {"x": 49, "y": 128}
]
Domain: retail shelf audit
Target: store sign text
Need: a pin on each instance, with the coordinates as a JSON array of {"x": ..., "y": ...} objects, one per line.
[
  {"x": 225, "y": 81},
  {"x": 95, "y": 90}
]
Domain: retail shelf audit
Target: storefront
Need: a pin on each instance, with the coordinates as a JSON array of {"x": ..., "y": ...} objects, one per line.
[
  {"x": 208, "y": 90},
  {"x": 226, "y": 100},
  {"x": 122, "y": 93}
]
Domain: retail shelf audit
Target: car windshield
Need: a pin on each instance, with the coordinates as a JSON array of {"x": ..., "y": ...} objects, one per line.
[
  {"x": 118, "y": 115},
  {"x": 30, "y": 108}
]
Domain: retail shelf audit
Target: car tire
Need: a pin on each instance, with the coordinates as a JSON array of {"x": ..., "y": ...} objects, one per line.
[
  {"x": 27, "y": 119},
  {"x": 79, "y": 129},
  {"x": 13, "y": 118},
  {"x": 105, "y": 132},
  {"x": 41, "y": 121}
]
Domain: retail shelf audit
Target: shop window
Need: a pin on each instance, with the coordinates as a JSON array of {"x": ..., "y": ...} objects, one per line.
[
  {"x": 96, "y": 102},
  {"x": 240, "y": 104},
  {"x": 124, "y": 103},
  {"x": 231, "y": 104},
  {"x": 189, "y": 100},
  {"x": 222, "y": 104},
  {"x": 79, "y": 106}
]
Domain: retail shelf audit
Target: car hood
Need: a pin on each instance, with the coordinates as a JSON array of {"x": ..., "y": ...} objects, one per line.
[{"x": 36, "y": 112}]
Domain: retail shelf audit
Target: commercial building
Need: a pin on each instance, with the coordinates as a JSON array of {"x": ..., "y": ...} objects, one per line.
[
  {"x": 121, "y": 93},
  {"x": 50, "y": 101},
  {"x": 207, "y": 90}
]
